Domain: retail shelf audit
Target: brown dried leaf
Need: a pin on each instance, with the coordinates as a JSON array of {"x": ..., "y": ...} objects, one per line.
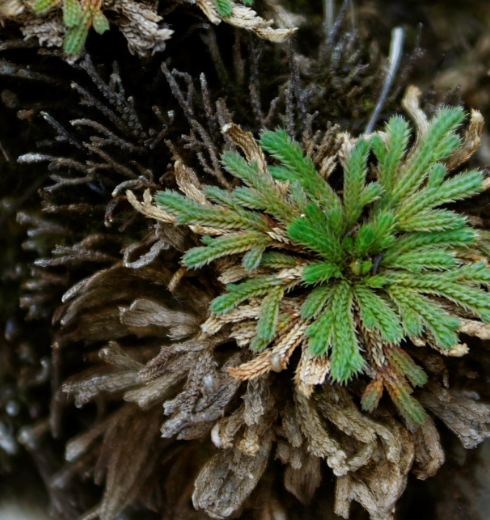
[
  {"x": 475, "y": 328},
  {"x": 320, "y": 442},
  {"x": 245, "y": 18},
  {"x": 228, "y": 479},
  {"x": 302, "y": 482},
  {"x": 461, "y": 411},
  {"x": 249, "y": 146},
  {"x": 471, "y": 142},
  {"x": 429, "y": 455},
  {"x": 377, "y": 487},
  {"x": 141, "y": 25}
]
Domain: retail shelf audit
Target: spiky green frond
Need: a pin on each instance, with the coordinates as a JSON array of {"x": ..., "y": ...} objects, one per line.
[
  {"x": 423, "y": 259},
  {"x": 390, "y": 153},
  {"x": 315, "y": 301},
  {"x": 460, "y": 237},
  {"x": 437, "y": 144},
  {"x": 376, "y": 236},
  {"x": 346, "y": 358},
  {"x": 230, "y": 244},
  {"x": 321, "y": 272},
  {"x": 253, "y": 257},
  {"x": 410, "y": 408},
  {"x": 406, "y": 366},
  {"x": 439, "y": 323},
  {"x": 432, "y": 220},
  {"x": 264, "y": 191},
  {"x": 320, "y": 331},
  {"x": 297, "y": 168},
  {"x": 268, "y": 317},
  {"x": 356, "y": 193},
  {"x": 238, "y": 293},
  {"x": 188, "y": 211},
  {"x": 459, "y": 187},
  {"x": 225, "y": 7},
  {"x": 312, "y": 230},
  {"x": 376, "y": 313}
]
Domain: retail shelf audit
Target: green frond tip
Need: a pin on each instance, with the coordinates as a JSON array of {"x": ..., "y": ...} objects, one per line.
[
  {"x": 391, "y": 152},
  {"x": 316, "y": 301},
  {"x": 72, "y": 12},
  {"x": 100, "y": 23},
  {"x": 296, "y": 167},
  {"x": 230, "y": 244},
  {"x": 225, "y": 7},
  {"x": 321, "y": 272},
  {"x": 77, "y": 35},
  {"x": 335, "y": 330},
  {"x": 437, "y": 144},
  {"x": 187, "y": 211},
  {"x": 268, "y": 315},
  {"x": 43, "y": 6},
  {"x": 372, "y": 395},
  {"x": 278, "y": 260},
  {"x": 377, "y": 313},
  {"x": 239, "y": 293},
  {"x": 406, "y": 366},
  {"x": 313, "y": 231},
  {"x": 410, "y": 408},
  {"x": 355, "y": 181}
]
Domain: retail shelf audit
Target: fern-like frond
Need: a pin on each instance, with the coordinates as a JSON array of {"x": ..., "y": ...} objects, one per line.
[
  {"x": 335, "y": 330},
  {"x": 321, "y": 272},
  {"x": 188, "y": 211},
  {"x": 409, "y": 407},
  {"x": 441, "y": 324},
  {"x": 406, "y": 366},
  {"x": 296, "y": 167},
  {"x": 277, "y": 260},
  {"x": 391, "y": 152},
  {"x": 316, "y": 300},
  {"x": 432, "y": 220},
  {"x": 312, "y": 230},
  {"x": 272, "y": 199},
  {"x": 268, "y": 317},
  {"x": 230, "y": 244},
  {"x": 238, "y": 293},
  {"x": 460, "y": 237},
  {"x": 459, "y": 187},
  {"x": 355, "y": 171},
  {"x": 376, "y": 313},
  {"x": 423, "y": 259},
  {"x": 438, "y": 143}
]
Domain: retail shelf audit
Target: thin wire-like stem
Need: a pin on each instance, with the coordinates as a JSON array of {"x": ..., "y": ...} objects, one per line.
[
  {"x": 328, "y": 16},
  {"x": 396, "y": 51}
]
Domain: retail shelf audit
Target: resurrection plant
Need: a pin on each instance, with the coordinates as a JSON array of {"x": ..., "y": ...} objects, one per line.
[
  {"x": 305, "y": 234},
  {"x": 349, "y": 270}
]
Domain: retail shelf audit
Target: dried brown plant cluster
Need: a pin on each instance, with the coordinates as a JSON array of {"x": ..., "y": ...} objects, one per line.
[
  {"x": 141, "y": 23},
  {"x": 151, "y": 406}
]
